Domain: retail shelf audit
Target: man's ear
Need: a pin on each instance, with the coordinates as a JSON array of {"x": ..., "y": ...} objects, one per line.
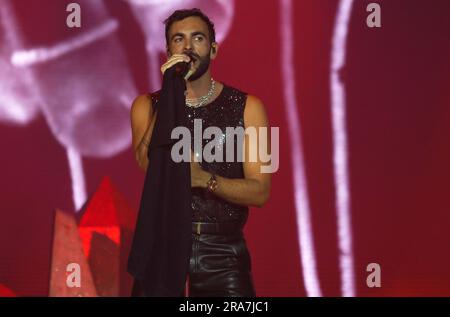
[
  {"x": 214, "y": 49},
  {"x": 168, "y": 52}
]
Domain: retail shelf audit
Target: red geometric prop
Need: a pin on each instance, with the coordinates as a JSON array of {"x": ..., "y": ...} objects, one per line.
[
  {"x": 67, "y": 250},
  {"x": 99, "y": 244},
  {"x": 106, "y": 228},
  {"x": 6, "y": 292}
]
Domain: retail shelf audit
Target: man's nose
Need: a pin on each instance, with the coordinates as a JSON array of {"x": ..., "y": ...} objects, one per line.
[
  {"x": 187, "y": 46},
  {"x": 187, "y": 51}
]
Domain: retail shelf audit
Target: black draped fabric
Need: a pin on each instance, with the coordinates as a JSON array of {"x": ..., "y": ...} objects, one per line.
[{"x": 159, "y": 257}]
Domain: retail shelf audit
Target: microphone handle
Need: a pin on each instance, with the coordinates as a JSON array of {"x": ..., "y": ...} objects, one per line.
[{"x": 182, "y": 68}]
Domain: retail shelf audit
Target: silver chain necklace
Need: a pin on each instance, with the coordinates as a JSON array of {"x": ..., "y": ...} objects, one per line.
[{"x": 200, "y": 101}]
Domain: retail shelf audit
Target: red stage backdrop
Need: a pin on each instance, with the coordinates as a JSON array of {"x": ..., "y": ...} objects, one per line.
[{"x": 363, "y": 115}]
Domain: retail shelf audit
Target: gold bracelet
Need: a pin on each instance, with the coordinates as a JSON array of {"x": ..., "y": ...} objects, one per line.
[{"x": 212, "y": 184}]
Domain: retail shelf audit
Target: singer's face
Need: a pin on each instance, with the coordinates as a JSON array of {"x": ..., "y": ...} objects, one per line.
[{"x": 191, "y": 35}]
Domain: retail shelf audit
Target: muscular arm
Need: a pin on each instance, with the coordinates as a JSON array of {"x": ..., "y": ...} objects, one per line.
[
  {"x": 142, "y": 123},
  {"x": 254, "y": 188}
]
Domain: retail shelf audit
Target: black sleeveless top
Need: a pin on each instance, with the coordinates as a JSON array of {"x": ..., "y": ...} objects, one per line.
[{"x": 227, "y": 110}]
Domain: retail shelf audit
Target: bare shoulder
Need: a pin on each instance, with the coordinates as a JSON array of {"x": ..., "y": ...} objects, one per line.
[
  {"x": 141, "y": 115},
  {"x": 255, "y": 113},
  {"x": 142, "y": 105}
]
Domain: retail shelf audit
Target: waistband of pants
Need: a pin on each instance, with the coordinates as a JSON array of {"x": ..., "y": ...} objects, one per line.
[{"x": 217, "y": 227}]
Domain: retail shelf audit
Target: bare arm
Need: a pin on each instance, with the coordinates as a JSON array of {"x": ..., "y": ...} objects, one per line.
[
  {"x": 254, "y": 188},
  {"x": 142, "y": 123},
  {"x": 143, "y": 120}
]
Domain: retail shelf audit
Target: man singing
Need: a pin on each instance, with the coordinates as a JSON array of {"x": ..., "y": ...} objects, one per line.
[{"x": 222, "y": 191}]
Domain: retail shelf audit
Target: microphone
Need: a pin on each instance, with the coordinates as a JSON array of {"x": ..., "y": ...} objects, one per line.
[{"x": 184, "y": 68}]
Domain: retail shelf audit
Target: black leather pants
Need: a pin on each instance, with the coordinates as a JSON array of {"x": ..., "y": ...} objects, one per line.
[{"x": 220, "y": 265}]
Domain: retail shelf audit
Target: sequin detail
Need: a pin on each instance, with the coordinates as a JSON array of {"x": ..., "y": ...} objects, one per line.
[{"x": 227, "y": 110}]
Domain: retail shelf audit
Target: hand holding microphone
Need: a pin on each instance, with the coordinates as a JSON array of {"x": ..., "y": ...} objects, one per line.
[{"x": 183, "y": 64}]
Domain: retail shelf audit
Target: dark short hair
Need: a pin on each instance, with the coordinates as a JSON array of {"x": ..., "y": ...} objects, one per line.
[{"x": 179, "y": 15}]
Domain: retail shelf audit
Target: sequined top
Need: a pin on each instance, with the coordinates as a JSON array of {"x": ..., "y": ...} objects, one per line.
[{"x": 227, "y": 110}]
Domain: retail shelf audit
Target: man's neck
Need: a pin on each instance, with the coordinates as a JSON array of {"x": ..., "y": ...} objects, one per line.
[{"x": 199, "y": 87}]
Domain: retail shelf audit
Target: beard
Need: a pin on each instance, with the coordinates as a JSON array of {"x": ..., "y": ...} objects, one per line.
[{"x": 203, "y": 65}]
